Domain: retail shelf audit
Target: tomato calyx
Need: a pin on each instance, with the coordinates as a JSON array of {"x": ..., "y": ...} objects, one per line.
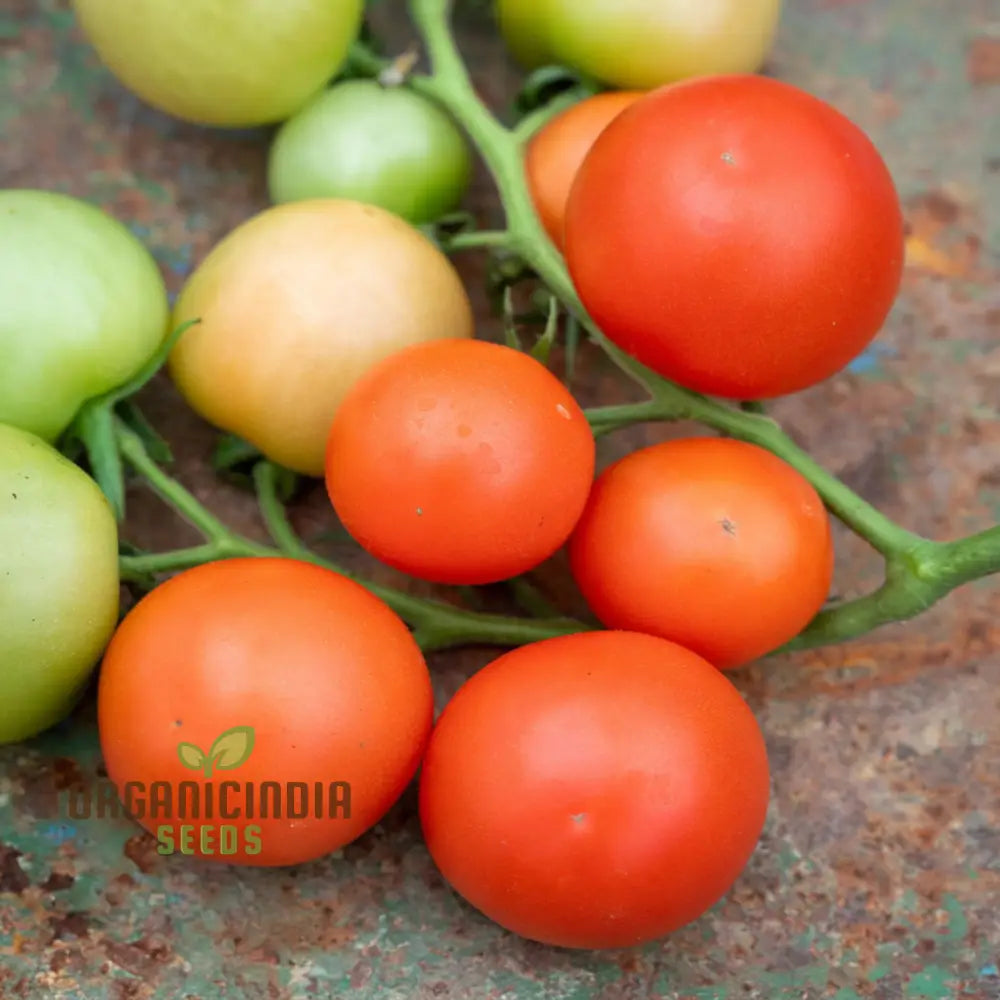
[
  {"x": 93, "y": 427},
  {"x": 395, "y": 74}
]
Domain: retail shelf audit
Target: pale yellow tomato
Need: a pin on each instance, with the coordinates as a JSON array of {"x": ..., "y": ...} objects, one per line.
[
  {"x": 222, "y": 62},
  {"x": 641, "y": 44},
  {"x": 296, "y": 304}
]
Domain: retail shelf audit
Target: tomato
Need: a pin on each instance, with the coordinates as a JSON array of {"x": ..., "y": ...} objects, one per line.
[
  {"x": 460, "y": 462},
  {"x": 641, "y": 44},
  {"x": 58, "y": 583},
  {"x": 84, "y": 307},
  {"x": 295, "y": 305},
  {"x": 555, "y": 153},
  {"x": 594, "y": 791},
  {"x": 384, "y": 145},
  {"x": 737, "y": 235},
  {"x": 259, "y": 671},
  {"x": 222, "y": 62},
  {"x": 715, "y": 544}
]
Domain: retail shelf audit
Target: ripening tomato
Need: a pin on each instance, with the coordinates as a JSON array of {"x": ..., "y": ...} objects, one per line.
[
  {"x": 715, "y": 544},
  {"x": 594, "y": 791},
  {"x": 641, "y": 44},
  {"x": 58, "y": 583},
  {"x": 82, "y": 308},
  {"x": 382, "y": 145},
  {"x": 555, "y": 153},
  {"x": 258, "y": 671},
  {"x": 222, "y": 62},
  {"x": 295, "y": 305},
  {"x": 460, "y": 462},
  {"x": 737, "y": 235}
]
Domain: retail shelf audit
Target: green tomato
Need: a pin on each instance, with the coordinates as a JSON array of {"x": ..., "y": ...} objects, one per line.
[
  {"x": 382, "y": 145},
  {"x": 230, "y": 63},
  {"x": 82, "y": 308},
  {"x": 58, "y": 583},
  {"x": 641, "y": 44}
]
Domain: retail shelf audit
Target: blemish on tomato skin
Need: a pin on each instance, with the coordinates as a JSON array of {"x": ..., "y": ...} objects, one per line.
[
  {"x": 729, "y": 527},
  {"x": 728, "y": 157}
]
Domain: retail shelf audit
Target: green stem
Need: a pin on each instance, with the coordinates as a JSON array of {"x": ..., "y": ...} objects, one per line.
[
  {"x": 265, "y": 478},
  {"x": 155, "y": 563},
  {"x": 479, "y": 239},
  {"x": 534, "y": 122},
  {"x": 169, "y": 490},
  {"x": 437, "y": 625},
  {"x": 969, "y": 558},
  {"x": 530, "y": 599},
  {"x": 605, "y": 419}
]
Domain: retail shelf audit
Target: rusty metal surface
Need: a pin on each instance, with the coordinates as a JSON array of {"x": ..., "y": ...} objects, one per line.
[{"x": 879, "y": 871}]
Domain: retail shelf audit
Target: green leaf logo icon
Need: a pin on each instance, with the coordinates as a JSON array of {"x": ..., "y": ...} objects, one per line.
[
  {"x": 230, "y": 750},
  {"x": 191, "y": 756}
]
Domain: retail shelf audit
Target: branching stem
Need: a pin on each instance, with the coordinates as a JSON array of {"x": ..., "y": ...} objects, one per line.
[{"x": 918, "y": 572}]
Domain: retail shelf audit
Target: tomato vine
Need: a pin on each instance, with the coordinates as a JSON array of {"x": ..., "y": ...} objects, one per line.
[{"x": 918, "y": 571}]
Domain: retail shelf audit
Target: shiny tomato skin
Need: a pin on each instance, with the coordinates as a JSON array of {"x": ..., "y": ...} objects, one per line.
[
  {"x": 384, "y": 146},
  {"x": 59, "y": 586},
  {"x": 229, "y": 63},
  {"x": 737, "y": 235},
  {"x": 594, "y": 791},
  {"x": 641, "y": 43},
  {"x": 84, "y": 308},
  {"x": 555, "y": 153},
  {"x": 297, "y": 303},
  {"x": 460, "y": 462},
  {"x": 330, "y": 680},
  {"x": 715, "y": 544}
]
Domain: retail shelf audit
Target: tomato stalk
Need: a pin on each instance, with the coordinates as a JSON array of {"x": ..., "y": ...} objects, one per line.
[
  {"x": 918, "y": 572},
  {"x": 436, "y": 625}
]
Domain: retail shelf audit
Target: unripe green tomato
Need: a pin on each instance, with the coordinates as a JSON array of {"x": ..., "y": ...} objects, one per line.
[
  {"x": 382, "y": 145},
  {"x": 58, "y": 583},
  {"x": 229, "y": 63},
  {"x": 82, "y": 308},
  {"x": 641, "y": 44}
]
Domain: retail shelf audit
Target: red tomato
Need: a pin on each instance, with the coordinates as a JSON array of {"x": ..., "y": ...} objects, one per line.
[
  {"x": 594, "y": 791},
  {"x": 460, "y": 462},
  {"x": 258, "y": 671},
  {"x": 715, "y": 544},
  {"x": 737, "y": 235},
  {"x": 555, "y": 153}
]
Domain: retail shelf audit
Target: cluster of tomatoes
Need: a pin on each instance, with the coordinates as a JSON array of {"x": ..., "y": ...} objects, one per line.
[{"x": 735, "y": 234}]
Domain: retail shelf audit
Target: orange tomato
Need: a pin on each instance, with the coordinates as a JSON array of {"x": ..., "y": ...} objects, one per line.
[
  {"x": 460, "y": 462},
  {"x": 556, "y": 152},
  {"x": 715, "y": 544},
  {"x": 594, "y": 791},
  {"x": 262, "y": 672}
]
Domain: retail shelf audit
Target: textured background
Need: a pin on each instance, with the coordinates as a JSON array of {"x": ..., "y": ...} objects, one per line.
[{"x": 879, "y": 871}]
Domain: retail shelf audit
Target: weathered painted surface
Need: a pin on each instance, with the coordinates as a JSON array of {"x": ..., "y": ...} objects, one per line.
[{"x": 879, "y": 872}]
